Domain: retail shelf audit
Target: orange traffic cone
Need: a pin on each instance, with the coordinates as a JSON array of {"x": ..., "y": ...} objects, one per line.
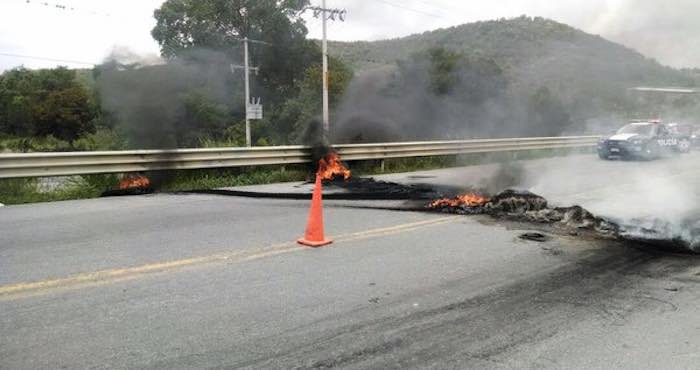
[{"x": 314, "y": 228}]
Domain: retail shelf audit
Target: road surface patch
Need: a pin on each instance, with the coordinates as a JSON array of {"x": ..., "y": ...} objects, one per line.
[
  {"x": 625, "y": 185},
  {"x": 109, "y": 276}
]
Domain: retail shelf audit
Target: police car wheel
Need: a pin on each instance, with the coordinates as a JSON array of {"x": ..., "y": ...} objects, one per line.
[{"x": 684, "y": 146}]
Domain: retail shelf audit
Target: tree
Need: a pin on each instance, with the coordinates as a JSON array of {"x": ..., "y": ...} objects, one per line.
[
  {"x": 289, "y": 77},
  {"x": 441, "y": 93},
  {"x": 222, "y": 24},
  {"x": 298, "y": 111},
  {"x": 48, "y": 102},
  {"x": 16, "y": 100},
  {"x": 449, "y": 73},
  {"x": 444, "y": 65},
  {"x": 65, "y": 114},
  {"x": 16, "y": 116},
  {"x": 482, "y": 79},
  {"x": 202, "y": 119},
  {"x": 547, "y": 116}
]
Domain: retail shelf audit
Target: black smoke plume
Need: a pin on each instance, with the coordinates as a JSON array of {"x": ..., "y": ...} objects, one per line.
[{"x": 167, "y": 105}]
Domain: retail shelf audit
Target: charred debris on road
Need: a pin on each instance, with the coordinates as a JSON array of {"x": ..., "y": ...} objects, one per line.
[
  {"x": 524, "y": 206},
  {"x": 507, "y": 205}
]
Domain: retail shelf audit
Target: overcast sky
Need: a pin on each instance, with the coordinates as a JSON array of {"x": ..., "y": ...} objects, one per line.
[{"x": 668, "y": 30}]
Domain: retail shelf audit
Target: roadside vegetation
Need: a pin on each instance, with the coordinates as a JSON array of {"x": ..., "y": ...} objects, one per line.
[{"x": 509, "y": 77}]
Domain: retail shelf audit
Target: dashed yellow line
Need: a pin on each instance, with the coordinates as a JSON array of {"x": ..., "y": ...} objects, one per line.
[{"x": 96, "y": 278}]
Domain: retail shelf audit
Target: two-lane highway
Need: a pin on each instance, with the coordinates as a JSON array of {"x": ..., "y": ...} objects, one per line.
[{"x": 202, "y": 281}]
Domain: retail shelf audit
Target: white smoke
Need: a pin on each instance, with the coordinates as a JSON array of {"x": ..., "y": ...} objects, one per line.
[
  {"x": 668, "y": 31},
  {"x": 125, "y": 56},
  {"x": 658, "y": 200}
]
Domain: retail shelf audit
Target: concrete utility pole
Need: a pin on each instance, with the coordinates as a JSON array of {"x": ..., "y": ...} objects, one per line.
[
  {"x": 247, "y": 92},
  {"x": 326, "y": 14},
  {"x": 324, "y": 52},
  {"x": 253, "y": 109}
]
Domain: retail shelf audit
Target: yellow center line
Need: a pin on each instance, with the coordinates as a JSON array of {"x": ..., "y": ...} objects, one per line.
[{"x": 95, "y": 278}]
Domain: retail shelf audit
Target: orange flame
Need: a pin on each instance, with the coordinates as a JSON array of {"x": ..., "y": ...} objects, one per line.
[
  {"x": 131, "y": 182},
  {"x": 469, "y": 200},
  {"x": 330, "y": 166}
]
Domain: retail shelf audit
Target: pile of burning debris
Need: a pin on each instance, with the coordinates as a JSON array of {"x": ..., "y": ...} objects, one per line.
[
  {"x": 334, "y": 174},
  {"x": 330, "y": 167},
  {"x": 524, "y": 206},
  {"x": 132, "y": 184},
  {"x": 510, "y": 204}
]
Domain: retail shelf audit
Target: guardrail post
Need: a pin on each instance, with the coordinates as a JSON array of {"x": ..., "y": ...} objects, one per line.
[{"x": 381, "y": 165}]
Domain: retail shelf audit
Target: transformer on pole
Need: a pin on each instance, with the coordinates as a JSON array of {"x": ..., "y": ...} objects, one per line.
[{"x": 253, "y": 108}]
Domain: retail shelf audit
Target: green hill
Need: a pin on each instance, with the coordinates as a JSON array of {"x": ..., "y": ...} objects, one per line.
[
  {"x": 535, "y": 50},
  {"x": 587, "y": 73}
]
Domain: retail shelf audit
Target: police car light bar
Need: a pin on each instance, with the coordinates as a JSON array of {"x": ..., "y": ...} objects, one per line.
[{"x": 654, "y": 120}]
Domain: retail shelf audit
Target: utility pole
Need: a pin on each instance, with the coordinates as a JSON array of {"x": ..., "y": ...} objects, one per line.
[
  {"x": 247, "y": 92},
  {"x": 326, "y": 14},
  {"x": 253, "y": 109},
  {"x": 324, "y": 47}
]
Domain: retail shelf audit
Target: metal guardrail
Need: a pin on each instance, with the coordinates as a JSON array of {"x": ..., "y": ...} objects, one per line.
[{"x": 83, "y": 163}]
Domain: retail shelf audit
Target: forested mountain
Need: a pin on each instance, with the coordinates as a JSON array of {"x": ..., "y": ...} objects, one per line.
[
  {"x": 587, "y": 74},
  {"x": 534, "y": 50}
]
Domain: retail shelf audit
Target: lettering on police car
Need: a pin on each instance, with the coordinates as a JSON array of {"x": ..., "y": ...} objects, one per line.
[{"x": 668, "y": 142}]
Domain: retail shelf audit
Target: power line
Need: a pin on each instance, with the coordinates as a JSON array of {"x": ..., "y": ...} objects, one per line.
[
  {"x": 47, "y": 59},
  {"x": 431, "y": 4},
  {"x": 64, "y": 7},
  {"x": 442, "y": 8},
  {"x": 412, "y": 9}
]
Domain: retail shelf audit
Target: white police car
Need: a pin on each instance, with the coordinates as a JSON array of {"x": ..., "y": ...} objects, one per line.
[{"x": 643, "y": 140}]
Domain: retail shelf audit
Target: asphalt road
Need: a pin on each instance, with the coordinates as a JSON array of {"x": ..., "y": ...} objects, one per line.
[
  {"x": 202, "y": 281},
  {"x": 663, "y": 195}
]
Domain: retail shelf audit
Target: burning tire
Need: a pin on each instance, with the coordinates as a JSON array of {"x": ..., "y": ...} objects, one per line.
[{"x": 131, "y": 185}]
